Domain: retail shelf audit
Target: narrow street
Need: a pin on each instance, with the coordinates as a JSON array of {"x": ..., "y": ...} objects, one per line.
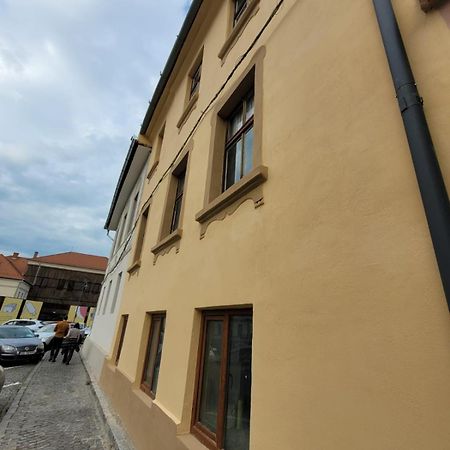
[{"x": 55, "y": 408}]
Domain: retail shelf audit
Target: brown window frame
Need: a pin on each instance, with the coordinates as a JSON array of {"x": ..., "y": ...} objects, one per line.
[
  {"x": 247, "y": 124},
  {"x": 238, "y": 12},
  {"x": 155, "y": 318},
  {"x": 195, "y": 80},
  {"x": 214, "y": 441},
  {"x": 178, "y": 202},
  {"x": 143, "y": 222},
  {"x": 123, "y": 329}
]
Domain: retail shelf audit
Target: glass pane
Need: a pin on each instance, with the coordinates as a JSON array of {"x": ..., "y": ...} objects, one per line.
[
  {"x": 237, "y": 417},
  {"x": 238, "y": 167},
  {"x": 152, "y": 349},
  {"x": 235, "y": 122},
  {"x": 158, "y": 355},
  {"x": 248, "y": 151},
  {"x": 176, "y": 215},
  {"x": 250, "y": 107},
  {"x": 230, "y": 164},
  {"x": 211, "y": 375}
]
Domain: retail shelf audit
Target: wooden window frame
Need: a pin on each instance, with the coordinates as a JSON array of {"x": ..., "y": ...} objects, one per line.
[
  {"x": 239, "y": 134},
  {"x": 123, "y": 329},
  {"x": 147, "y": 386},
  {"x": 143, "y": 222},
  {"x": 178, "y": 202},
  {"x": 157, "y": 153},
  {"x": 237, "y": 13},
  {"x": 195, "y": 79},
  {"x": 214, "y": 441}
]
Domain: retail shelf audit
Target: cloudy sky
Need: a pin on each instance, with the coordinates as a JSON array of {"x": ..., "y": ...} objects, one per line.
[{"x": 75, "y": 80}]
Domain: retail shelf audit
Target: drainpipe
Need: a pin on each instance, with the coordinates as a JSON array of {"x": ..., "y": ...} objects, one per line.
[{"x": 428, "y": 173}]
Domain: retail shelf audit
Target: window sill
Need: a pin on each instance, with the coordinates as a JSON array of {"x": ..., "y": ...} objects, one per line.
[
  {"x": 166, "y": 244},
  {"x": 134, "y": 266},
  {"x": 187, "y": 111},
  {"x": 239, "y": 28},
  {"x": 250, "y": 181}
]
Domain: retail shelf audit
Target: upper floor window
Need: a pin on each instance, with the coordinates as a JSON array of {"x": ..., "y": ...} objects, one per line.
[
  {"x": 195, "y": 80},
  {"x": 180, "y": 178},
  {"x": 123, "y": 329},
  {"x": 61, "y": 284},
  {"x": 239, "y": 8},
  {"x": 141, "y": 235},
  {"x": 239, "y": 142},
  {"x": 223, "y": 395}
]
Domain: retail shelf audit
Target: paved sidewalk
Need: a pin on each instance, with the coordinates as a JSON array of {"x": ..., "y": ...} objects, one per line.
[{"x": 57, "y": 409}]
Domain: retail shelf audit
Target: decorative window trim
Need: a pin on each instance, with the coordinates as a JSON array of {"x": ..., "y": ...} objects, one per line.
[
  {"x": 166, "y": 243},
  {"x": 218, "y": 204},
  {"x": 238, "y": 29}
]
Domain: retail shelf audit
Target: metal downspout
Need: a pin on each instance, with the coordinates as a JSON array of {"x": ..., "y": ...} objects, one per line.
[{"x": 426, "y": 165}]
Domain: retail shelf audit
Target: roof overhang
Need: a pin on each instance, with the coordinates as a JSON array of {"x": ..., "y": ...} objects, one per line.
[
  {"x": 186, "y": 27},
  {"x": 132, "y": 168}
]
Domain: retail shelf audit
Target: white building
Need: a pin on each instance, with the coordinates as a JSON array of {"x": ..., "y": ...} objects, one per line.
[
  {"x": 12, "y": 274},
  {"x": 121, "y": 219}
]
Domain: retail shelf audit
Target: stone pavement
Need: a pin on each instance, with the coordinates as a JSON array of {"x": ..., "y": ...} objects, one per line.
[{"x": 57, "y": 409}]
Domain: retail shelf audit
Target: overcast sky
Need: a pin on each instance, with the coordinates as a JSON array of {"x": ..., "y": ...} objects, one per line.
[{"x": 75, "y": 80}]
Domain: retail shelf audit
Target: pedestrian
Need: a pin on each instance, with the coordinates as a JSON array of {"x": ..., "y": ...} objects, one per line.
[
  {"x": 61, "y": 329},
  {"x": 71, "y": 342}
]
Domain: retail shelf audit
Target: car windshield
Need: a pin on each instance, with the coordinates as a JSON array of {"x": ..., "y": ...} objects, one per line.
[
  {"x": 13, "y": 333},
  {"x": 47, "y": 328}
]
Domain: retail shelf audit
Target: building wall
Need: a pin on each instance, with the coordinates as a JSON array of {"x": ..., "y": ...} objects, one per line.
[
  {"x": 350, "y": 322},
  {"x": 98, "y": 345},
  {"x": 13, "y": 288}
]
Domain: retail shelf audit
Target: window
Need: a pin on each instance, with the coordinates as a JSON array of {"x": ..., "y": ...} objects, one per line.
[
  {"x": 239, "y": 142},
  {"x": 157, "y": 153},
  {"x": 140, "y": 237},
  {"x": 61, "y": 284},
  {"x": 171, "y": 226},
  {"x": 105, "y": 301},
  {"x": 95, "y": 288},
  {"x": 70, "y": 285},
  {"x": 178, "y": 201},
  {"x": 43, "y": 282},
  {"x": 152, "y": 363},
  {"x": 221, "y": 417},
  {"x": 239, "y": 8},
  {"x": 195, "y": 80},
  {"x": 134, "y": 206},
  {"x": 123, "y": 329},
  {"x": 116, "y": 292}
]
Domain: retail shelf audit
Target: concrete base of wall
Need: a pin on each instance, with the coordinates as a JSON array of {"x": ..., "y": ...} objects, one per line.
[
  {"x": 93, "y": 357},
  {"x": 147, "y": 425}
]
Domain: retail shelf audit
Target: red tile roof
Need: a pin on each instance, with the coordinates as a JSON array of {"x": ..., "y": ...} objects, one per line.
[
  {"x": 74, "y": 259},
  {"x": 8, "y": 269}
]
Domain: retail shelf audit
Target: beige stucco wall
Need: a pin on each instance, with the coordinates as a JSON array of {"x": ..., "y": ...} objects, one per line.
[
  {"x": 13, "y": 288},
  {"x": 351, "y": 327}
]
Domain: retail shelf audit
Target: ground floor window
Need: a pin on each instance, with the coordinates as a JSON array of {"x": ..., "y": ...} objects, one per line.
[
  {"x": 154, "y": 353},
  {"x": 223, "y": 394}
]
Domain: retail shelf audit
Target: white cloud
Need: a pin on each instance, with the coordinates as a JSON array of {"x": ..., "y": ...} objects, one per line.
[{"x": 75, "y": 80}]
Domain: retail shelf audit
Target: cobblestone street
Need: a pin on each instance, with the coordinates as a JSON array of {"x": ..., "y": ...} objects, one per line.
[{"x": 57, "y": 409}]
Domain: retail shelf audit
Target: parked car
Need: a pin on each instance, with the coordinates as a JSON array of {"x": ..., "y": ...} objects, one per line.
[
  {"x": 46, "y": 334},
  {"x": 19, "y": 343},
  {"x": 29, "y": 323},
  {"x": 2, "y": 377}
]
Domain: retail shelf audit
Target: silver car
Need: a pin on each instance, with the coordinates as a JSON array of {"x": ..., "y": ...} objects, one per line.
[{"x": 19, "y": 344}]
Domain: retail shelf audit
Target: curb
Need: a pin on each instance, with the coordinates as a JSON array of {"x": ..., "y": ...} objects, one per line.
[
  {"x": 16, "y": 402},
  {"x": 115, "y": 430}
]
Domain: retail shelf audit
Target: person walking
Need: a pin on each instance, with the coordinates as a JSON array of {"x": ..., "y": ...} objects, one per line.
[
  {"x": 71, "y": 342},
  {"x": 61, "y": 329}
]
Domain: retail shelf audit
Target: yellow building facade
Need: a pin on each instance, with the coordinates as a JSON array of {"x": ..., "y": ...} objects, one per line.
[{"x": 284, "y": 292}]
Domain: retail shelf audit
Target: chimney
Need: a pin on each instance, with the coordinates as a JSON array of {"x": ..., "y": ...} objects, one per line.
[
  {"x": 15, "y": 254},
  {"x": 35, "y": 255}
]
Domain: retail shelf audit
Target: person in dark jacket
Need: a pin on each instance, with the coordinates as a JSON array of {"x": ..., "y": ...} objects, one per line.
[{"x": 71, "y": 342}]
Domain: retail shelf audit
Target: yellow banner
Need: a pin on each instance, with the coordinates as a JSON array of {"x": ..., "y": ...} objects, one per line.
[
  {"x": 10, "y": 309},
  {"x": 72, "y": 312},
  {"x": 91, "y": 317},
  {"x": 31, "y": 310},
  {"x": 77, "y": 314}
]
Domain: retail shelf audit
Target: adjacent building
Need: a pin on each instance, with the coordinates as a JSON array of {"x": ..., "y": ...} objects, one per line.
[
  {"x": 282, "y": 290},
  {"x": 121, "y": 220},
  {"x": 12, "y": 277}
]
